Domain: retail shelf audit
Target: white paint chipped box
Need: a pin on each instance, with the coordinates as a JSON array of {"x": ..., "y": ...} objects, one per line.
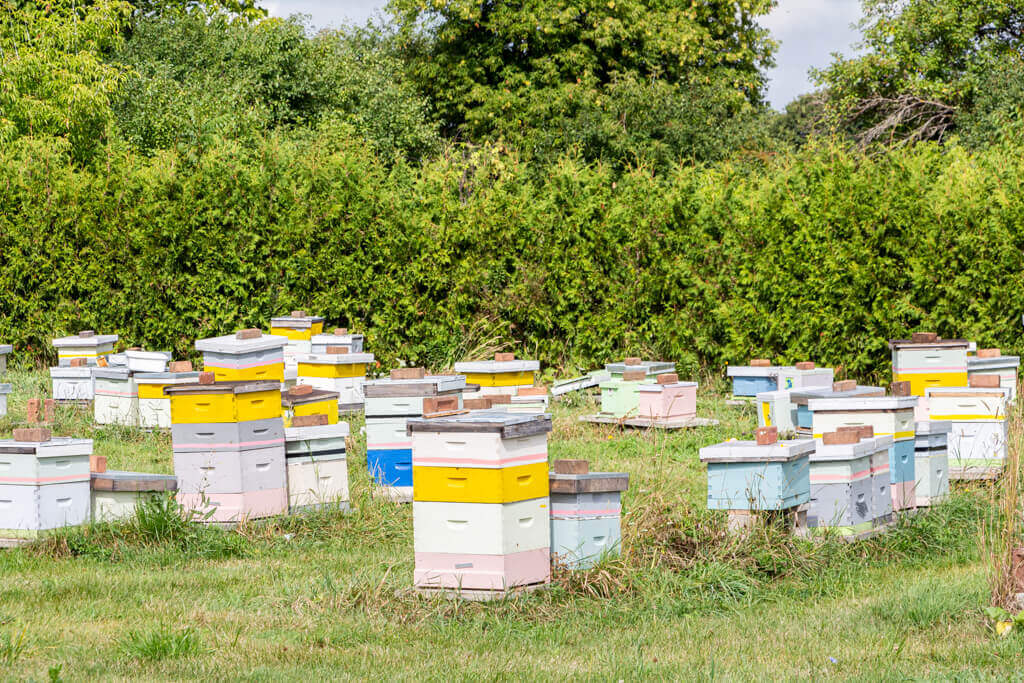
[
  {"x": 318, "y": 441},
  {"x": 116, "y": 397},
  {"x": 353, "y": 342},
  {"x": 5, "y": 390},
  {"x": 72, "y": 384},
  {"x": 5, "y": 350}
]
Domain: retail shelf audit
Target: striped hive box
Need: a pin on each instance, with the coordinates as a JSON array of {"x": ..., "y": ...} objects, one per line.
[
  {"x": 43, "y": 486},
  {"x": 842, "y": 488},
  {"x": 229, "y": 454},
  {"x": 72, "y": 384},
  {"x": 352, "y": 342},
  {"x": 481, "y": 506},
  {"x": 652, "y": 368},
  {"x": 978, "y": 418},
  {"x": 931, "y": 462},
  {"x": 1003, "y": 366},
  {"x": 881, "y": 481},
  {"x": 667, "y": 401},
  {"x": 800, "y": 398},
  {"x": 154, "y": 404},
  {"x": 116, "y": 397},
  {"x": 745, "y": 476},
  {"x": 888, "y": 416},
  {"x": 5, "y": 350},
  {"x": 776, "y": 409},
  {"x": 499, "y": 377},
  {"x": 116, "y": 495},
  {"x": 586, "y": 511},
  {"x": 88, "y": 347},
  {"x": 317, "y": 402},
  {"x": 317, "y": 463},
  {"x": 390, "y": 403},
  {"x": 232, "y": 359},
  {"x": 941, "y": 363},
  {"x": 344, "y": 373}
]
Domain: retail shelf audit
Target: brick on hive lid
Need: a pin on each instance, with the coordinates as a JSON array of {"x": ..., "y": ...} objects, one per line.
[
  {"x": 249, "y": 333},
  {"x": 180, "y": 366},
  {"x": 862, "y": 431},
  {"x": 315, "y": 420},
  {"x": 845, "y": 385},
  {"x": 667, "y": 378},
  {"x": 924, "y": 337},
  {"x": 805, "y": 365},
  {"x": 408, "y": 373},
  {"x": 840, "y": 438},
  {"x": 340, "y": 331},
  {"x": 760, "y": 363},
  {"x": 504, "y": 357},
  {"x": 571, "y": 467},
  {"x": 101, "y": 361},
  {"x": 983, "y": 381},
  {"x": 78, "y": 362},
  {"x": 434, "y": 405},
  {"x": 501, "y": 399},
  {"x": 532, "y": 391},
  {"x": 900, "y": 388},
  {"x": 633, "y": 360},
  {"x": 32, "y": 434},
  {"x": 298, "y": 314},
  {"x": 87, "y": 333},
  {"x": 207, "y": 378},
  {"x": 766, "y": 436},
  {"x": 301, "y": 390},
  {"x": 989, "y": 353},
  {"x": 483, "y": 403},
  {"x": 98, "y": 464},
  {"x": 336, "y": 350},
  {"x": 634, "y": 375}
]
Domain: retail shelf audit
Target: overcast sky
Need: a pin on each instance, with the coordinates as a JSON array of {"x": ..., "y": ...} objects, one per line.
[{"x": 808, "y": 30}]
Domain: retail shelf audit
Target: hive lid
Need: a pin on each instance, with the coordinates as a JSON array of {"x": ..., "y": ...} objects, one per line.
[
  {"x": 801, "y": 396},
  {"x": 334, "y": 358},
  {"x": 6, "y": 349},
  {"x": 335, "y": 431},
  {"x": 119, "y": 373},
  {"x": 336, "y": 339},
  {"x": 289, "y": 401},
  {"x": 57, "y": 446},
  {"x": 897, "y": 344},
  {"x": 509, "y": 425},
  {"x": 749, "y": 451},
  {"x": 296, "y": 323},
  {"x": 133, "y": 481},
  {"x": 755, "y": 370},
  {"x": 594, "y": 482},
  {"x": 862, "y": 448},
  {"x": 869, "y": 403},
  {"x": 229, "y": 343},
  {"x": 491, "y": 367},
  {"x": 933, "y": 427},
  {"x": 238, "y": 387},
  {"x": 657, "y": 388},
  {"x": 975, "y": 363},
  {"x": 651, "y": 367},
  {"x": 77, "y": 342},
  {"x": 117, "y": 359},
  {"x": 166, "y": 377},
  {"x": 82, "y": 372},
  {"x": 431, "y": 385}
]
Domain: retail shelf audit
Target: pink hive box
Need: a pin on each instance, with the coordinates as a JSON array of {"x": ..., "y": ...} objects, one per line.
[
  {"x": 235, "y": 507},
  {"x": 482, "y": 572},
  {"x": 677, "y": 400}
]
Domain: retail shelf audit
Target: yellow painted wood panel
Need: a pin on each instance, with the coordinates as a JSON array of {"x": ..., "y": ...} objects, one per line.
[
  {"x": 480, "y": 485},
  {"x": 501, "y": 379},
  {"x": 207, "y": 407}
]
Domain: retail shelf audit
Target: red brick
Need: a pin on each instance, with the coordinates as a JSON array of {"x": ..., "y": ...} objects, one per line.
[
  {"x": 845, "y": 385},
  {"x": 766, "y": 436},
  {"x": 862, "y": 431},
  {"x": 86, "y": 333},
  {"x": 33, "y": 434},
  {"x": 300, "y": 390},
  {"x": 98, "y": 464},
  {"x": 440, "y": 404},
  {"x": 504, "y": 357},
  {"x": 984, "y": 381},
  {"x": 841, "y": 437},
  {"x": 501, "y": 399},
  {"x": 924, "y": 337},
  {"x": 668, "y": 378},
  {"x": 207, "y": 378},
  {"x": 484, "y": 403},
  {"x": 805, "y": 365},
  {"x": 532, "y": 391},
  {"x": 298, "y": 314},
  {"x": 32, "y": 411},
  {"x": 78, "y": 362},
  {"x": 571, "y": 467},
  {"x": 900, "y": 388},
  {"x": 49, "y": 411},
  {"x": 315, "y": 420},
  {"x": 180, "y": 366},
  {"x": 989, "y": 353},
  {"x": 634, "y": 375},
  {"x": 760, "y": 363},
  {"x": 337, "y": 350},
  {"x": 633, "y": 360},
  {"x": 340, "y": 331},
  {"x": 249, "y": 333},
  {"x": 408, "y": 373}
]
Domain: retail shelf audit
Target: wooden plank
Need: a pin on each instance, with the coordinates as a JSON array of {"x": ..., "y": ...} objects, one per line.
[
  {"x": 645, "y": 423},
  {"x": 133, "y": 481},
  {"x": 411, "y": 390}
]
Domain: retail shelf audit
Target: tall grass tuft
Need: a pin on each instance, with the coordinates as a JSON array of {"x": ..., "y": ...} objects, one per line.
[
  {"x": 160, "y": 644},
  {"x": 1002, "y": 533}
]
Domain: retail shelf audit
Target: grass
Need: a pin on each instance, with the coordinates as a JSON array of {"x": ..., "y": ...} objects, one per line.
[{"x": 325, "y": 595}]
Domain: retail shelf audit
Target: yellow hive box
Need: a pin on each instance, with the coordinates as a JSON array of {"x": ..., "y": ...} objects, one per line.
[
  {"x": 298, "y": 334},
  {"x": 317, "y": 402},
  {"x": 919, "y": 382},
  {"x": 480, "y": 485},
  {"x": 272, "y": 372},
  {"x": 501, "y": 379},
  {"x": 341, "y": 370},
  {"x": 224, "y": 402}
]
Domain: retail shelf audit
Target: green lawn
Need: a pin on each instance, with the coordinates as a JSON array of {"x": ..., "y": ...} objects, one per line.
[{"x": 326, "y": 595}]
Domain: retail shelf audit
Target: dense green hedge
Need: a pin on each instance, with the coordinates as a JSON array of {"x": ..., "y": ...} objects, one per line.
[{"x": 821, "y": 256}]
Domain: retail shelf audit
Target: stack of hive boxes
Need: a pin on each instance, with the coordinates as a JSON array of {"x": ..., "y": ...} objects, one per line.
[
  {"x": 316, "y": 456},
  {"x": 116, "y": 495},
  {"x": 586, "y": 510},
  {"x": 993, "y": 362},
  {"x": 925, "y": 361},
  {"x": 245, "y": 355},
  {"x": 390, "y": 403},
  {"x": 154, "y": 404},
  {"x": 336, "y": 370},
  {"x": 667, "y": 398},
  {"x": 502, "y": 376},
  {"x": 979, "y": 417},
  {"x": 481, "y": 504},
  {"x": 44, "y": 484},
  {"x": 764, "y": 475},
  {"x": 304, "y": 400},
  {"x": 228, "y": 443},
  {"x": 72, "y": 378},
  {"x": 339, "y": 338},
  {"x": 887, "y": 416},
  {"x": 931, "y": 462},
  {"x": 5, "y": 389},
  {"x": 299, "y": 329},
  {"x": 116, "y": 387},
  {"x": 850, "y": 488}
]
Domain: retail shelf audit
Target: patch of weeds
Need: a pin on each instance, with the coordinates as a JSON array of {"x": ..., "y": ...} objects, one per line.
[
  {"x": 12, "y": 647},
  {"x": 161, "y": 643},
  {"x": 928, "y": 605}
]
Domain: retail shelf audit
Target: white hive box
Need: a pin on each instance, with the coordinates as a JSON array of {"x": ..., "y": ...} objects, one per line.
[
  {"x": 316, "y": 442},
  {"x": 116, "y": 399},
  {"x": 116, "y": 495},
  {"x": 154, "y": 404},
  {"x": 147, "y": 361},
  {"x": 931, "y": 462},
  {"x": 353, "y": 342},
  {"x": 90, "y": 348},
  {"x": 317, "y": 464},
  {"x": 888, "y": 415},
  {"x": 794, "y": 378},
  {"x": 938, "y": 363},
  {"x": 485, "y": 438},
  {"x": 651, "y": 368},
  {"x": 404, "y": 397},
  {"x": 967, "y": 404},
  {"x": 481, "y": 528},
  {"x": 43, "y": 485},
  {"x": 72, "y": 384},
  {"x": 1003, "y": 366}
]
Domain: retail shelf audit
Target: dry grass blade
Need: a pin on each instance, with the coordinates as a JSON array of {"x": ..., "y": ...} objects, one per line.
[{"x": 1003, "y": 532}]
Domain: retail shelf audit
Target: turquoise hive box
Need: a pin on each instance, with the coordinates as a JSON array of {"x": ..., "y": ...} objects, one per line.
[{"x": 745, "y": 476}]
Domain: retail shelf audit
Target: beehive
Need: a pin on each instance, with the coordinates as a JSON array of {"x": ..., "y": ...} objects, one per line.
[
  {"x": 244, "y": 357},
  {"x": 850, "y": 486},
  {"x": 85, "y": 345},
  {"x": 390, "y": 403},
  {"x": 651, "y": 368},
  {"x": 154, "y": 404},
  {"x": 529, "y": 401},
  {"x": 586, "y": 510},
  {"x": 317, "y": 462},
  {"x": 931, "y": 462},
  {"x": 72, "y": 384},
  {"x": 43, "y": 485},
  {"x": 352, "y": 342},
  {"x": 743, "y": 475},
  {"x": 1003, "y": 366},
  {"x": 228, "y": 444},
  {"x": 887, "y": 416},
  {"x": 116, "y": 397},
  {"x": 750, "y": 380},
  {"x": 116, "y": 495},
  {"x": 299, "y": 329},
  {"x": 499, "y": 376},
  {"x": 490, "y": 529},
  {"x": 978, "y": 424},
  {"x": 147, "y": 361},
  {"x": 670, "y": 400},
  {"x": 929, "y": 363},
  {"x": 800, "y": 398},
  {"x": 5, "y": 390},
  {"x": 296, "y": 403},
  {"x": 344, "y": 373}
]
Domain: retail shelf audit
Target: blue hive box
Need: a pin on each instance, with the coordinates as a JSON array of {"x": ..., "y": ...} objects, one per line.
[{"x": 745, "y": 476}]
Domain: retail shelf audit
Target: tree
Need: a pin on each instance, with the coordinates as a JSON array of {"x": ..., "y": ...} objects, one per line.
[
  {"x": 614, "y": 77},
  {"x": 924, "y": 63}
]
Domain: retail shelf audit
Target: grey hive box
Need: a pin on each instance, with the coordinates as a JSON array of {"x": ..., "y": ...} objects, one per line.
[
  {"x": 43, "y": 486},
  {"x": 586, "y": 511}
]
